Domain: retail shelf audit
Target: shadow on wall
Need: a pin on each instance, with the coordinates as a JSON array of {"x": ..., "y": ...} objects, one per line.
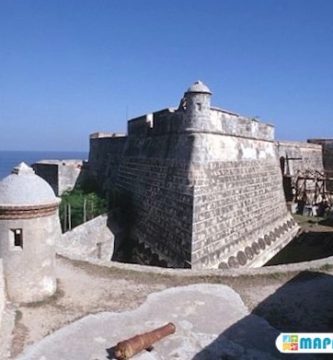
[
  {"x": 85, "y": 180},
  {"x": 122, "y": 251},
  {"x": 120, "y": 216},
  {"x": 304, "y": 304}
]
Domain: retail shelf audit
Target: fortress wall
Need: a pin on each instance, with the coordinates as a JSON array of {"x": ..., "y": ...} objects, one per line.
[
  {"x": 104, "y": 157},
  {"x": 238, "y": 199},
  {"x": 166, "y": 121},
  {"x": 203, "y": 198},
  {"x": 303, "y": 156},
  {"x": 199, "y": 197},
  {"x": 206, "y": 274},
  {"x": 62, "y": 175},
  {"x": 49, "y": 172},
  {"x": 327, "y": 153},
  {"x": 220, "y": 121},
  {"x": 158, "y": 123},
  {"x": 140, "y": 125},
  {"x": 232, "y": 124},
  {"x": 154, "y": 175},
  {"x": 93, "y": 239},
  {"x": 69, "y": 172}
]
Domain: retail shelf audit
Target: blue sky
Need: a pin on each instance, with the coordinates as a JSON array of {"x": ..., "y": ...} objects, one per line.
[{"x": 72, "y": 67}]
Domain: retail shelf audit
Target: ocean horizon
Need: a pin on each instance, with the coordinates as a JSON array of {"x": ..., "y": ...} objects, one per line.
[{"x": 9, "y": 159}]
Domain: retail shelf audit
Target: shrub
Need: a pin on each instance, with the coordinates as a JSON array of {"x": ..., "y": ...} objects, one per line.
[{"x": 78, "y": 206}]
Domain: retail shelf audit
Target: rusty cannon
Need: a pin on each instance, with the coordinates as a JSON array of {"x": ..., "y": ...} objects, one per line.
[{"x": 128, "y": 348}]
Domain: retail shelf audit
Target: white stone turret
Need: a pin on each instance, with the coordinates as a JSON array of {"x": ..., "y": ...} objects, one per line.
[
  {"x": 29, "y": 228},
  {"x": 197, "y": 108}
]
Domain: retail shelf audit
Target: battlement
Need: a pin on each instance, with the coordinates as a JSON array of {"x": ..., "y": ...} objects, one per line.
[
  {"x": 302, "y": 144},
  {"x": 228, "y": 123},
  {"x": 320, "y": 141},
  {"x": 100, "y": 135},
  {"x": 140, "y": 125},
  {"x": 157, "y": 123},
  {"x": 219, "y": 121}
]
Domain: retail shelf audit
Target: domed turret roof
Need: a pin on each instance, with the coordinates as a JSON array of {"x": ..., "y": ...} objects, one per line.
[
  {"x": 199, "y": 87},
  {"x": 24, "y": 187}
]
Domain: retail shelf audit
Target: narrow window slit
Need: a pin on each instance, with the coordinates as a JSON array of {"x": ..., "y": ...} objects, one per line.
[{"x": 18, "y": 237}]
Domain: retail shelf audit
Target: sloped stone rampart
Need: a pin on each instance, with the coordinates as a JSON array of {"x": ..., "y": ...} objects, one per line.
[{"x": 92, "y": 239}]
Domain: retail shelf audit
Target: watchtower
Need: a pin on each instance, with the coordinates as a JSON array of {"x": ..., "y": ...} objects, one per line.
[
  {"x": 29, "y": 227},
  {"x": 197, "y": 106}
]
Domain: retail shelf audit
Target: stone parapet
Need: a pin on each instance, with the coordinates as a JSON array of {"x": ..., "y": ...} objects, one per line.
[
  {"x": 93, "y": 239},
  {"x": 200, "y": 274},
  {"x": 299, "y": 156}
]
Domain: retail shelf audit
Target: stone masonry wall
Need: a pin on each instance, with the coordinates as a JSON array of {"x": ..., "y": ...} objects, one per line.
[
  {"x": 202, "y": 198},
  {"x": 104, "y": 158},
  {"x": 159, "y": 194},
  {"x": 327, "y": 148},
  {"x": 49, "y": 172},
  {"x": 92, "y": 239},
  {"x": 62, "y": 175},
  {"x": 239, "y": 206},
  {"x": 296, "y": 158},
  {"x": 224, "y": 122},
  {"x": 69, "y": 172},
  {"x": 309, "y": 156}
]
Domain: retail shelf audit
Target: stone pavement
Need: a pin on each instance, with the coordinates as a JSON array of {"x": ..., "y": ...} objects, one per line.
[{"x": 211, "y": 322}]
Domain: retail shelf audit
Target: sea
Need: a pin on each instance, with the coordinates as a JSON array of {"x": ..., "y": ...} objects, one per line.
[{"x": 9, "y": 159}]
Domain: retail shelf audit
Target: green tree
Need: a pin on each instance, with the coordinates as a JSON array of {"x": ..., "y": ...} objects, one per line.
[{"x": 78, "y": 206}]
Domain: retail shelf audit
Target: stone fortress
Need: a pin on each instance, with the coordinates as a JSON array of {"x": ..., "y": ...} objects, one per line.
[
  {"x": 203, "y": 184},
  {"x": 202, "y": 188}
]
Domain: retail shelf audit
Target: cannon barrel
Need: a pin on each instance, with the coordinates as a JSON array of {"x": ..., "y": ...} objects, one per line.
[{"x": 128, "y": 348}]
